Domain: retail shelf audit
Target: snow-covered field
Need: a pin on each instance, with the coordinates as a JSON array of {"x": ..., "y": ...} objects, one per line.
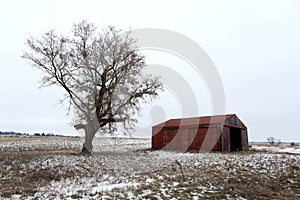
[
  {"x": 278, "y": 148},
  {"x": 123, "y": 168}
]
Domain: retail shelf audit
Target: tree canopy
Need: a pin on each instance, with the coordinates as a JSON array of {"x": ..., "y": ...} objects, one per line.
[{"x": 100, "y": 72}]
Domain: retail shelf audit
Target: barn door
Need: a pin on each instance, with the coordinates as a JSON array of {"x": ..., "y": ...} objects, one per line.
[{"x": 235, "y": 139}]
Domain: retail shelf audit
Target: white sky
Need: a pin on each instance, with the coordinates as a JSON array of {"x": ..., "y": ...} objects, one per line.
[{"x": 254, "y": 45}]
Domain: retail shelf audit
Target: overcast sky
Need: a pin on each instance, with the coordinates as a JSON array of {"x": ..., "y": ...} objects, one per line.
[{"x": 253, "y": 44}]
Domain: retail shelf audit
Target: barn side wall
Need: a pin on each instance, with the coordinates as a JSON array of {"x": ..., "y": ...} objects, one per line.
[
  {"x": 187, "y": 138},
  {"x": 157, "y": 138},
  {"x": 196, "y": 138},
  {"x": 205, "y": 138},
  {"x": 176, "y": 139}
]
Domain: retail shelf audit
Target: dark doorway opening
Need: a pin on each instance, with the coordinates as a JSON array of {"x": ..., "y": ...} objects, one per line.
[{"x": 235, "y": 139}]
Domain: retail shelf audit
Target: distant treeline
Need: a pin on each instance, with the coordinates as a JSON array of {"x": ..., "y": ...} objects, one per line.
[{"x": 12, "y": 133}]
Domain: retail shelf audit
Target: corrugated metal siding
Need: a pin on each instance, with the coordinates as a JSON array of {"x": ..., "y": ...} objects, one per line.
[
  {"x": 244, "y": 137},
  {"x": 198, "y": 139},
  {"x": 235, "y": 121},
  {"x": 184, "y": 139},
  {"x": 225, "y": 138},
  {"x": 167, "y": 137},
  {"x": 187, "y": 139},
  {"x": 173, "y": 139},
  {"x": 211, "y": 140},
  {"x": 157, "y": 135},
  {"x": 193, "y": 134},
  {"x": 205, "y": 139}
]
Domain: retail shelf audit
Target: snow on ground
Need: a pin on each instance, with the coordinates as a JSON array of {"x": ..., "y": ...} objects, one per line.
[
  {"x": 56, "y": 143},
  {"x": 278, "y": 148},
  {"x": 123, "y": 168}
]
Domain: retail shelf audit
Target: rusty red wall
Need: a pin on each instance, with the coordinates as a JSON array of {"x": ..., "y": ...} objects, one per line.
[
  {"x": 211, "y": 140},
  {"x": 157, "y": 135},
  {"x": 196, "y": 138},
  {"x": 174, "y": 139},
  {"x": 201, "y": 136},
  {"x": 168, "y": 139}
]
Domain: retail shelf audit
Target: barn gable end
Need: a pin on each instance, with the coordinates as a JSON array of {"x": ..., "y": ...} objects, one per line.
[{"x": 235, "y": 121}]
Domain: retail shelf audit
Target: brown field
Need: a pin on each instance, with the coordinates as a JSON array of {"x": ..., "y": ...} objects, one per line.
[{"x": 48, "y": 168}]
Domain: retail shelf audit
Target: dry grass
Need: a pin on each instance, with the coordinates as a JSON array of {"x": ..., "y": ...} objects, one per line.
[
  {"x": 219, "y": 185},
  {"x": 250, "y": 175},
  {"x": 18, "y": 180}
]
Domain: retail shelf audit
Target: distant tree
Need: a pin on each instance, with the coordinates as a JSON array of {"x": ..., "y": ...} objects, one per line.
[
  {"x": 278, "y": 141},
  {"x": 271, "y": 140},
  {"x": 294, "y": 144},
  {"x": 101, "y": 74}
]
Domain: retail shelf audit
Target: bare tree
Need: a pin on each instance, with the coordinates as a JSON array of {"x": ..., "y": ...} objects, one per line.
[
  {"x": 293, "y": 144},
  {"x": 271, "y": 140},
  {"x": 278, "y": 141},
  {"x": 101, "y": 74}
]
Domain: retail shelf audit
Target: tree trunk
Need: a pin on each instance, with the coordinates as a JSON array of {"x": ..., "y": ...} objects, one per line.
[
  {"x": 87, "y": 148},
  {"x": 90, "y": 132}
]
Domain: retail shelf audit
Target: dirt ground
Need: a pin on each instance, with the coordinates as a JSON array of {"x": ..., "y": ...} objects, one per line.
[{"x": 127, "y": 169}]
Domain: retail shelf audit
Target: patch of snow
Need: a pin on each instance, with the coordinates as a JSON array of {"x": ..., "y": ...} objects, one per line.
[
  {"x": 108, "y": 187},
  {"x": 175, "y": 184},
  {"x": 195, "y": 197},
  {"x": 130, "y": 195},
  {"x": 277, "y": 149},
  {"x": 15, "y": 196},
  {"x": 149, "y": 180}
]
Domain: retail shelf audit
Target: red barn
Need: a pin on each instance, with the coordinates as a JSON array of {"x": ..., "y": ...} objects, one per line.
[{"x": 216, "y": 133}]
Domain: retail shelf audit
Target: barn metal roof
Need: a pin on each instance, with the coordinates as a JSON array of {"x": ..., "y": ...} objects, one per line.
[{"x": 216, "y": 119}]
